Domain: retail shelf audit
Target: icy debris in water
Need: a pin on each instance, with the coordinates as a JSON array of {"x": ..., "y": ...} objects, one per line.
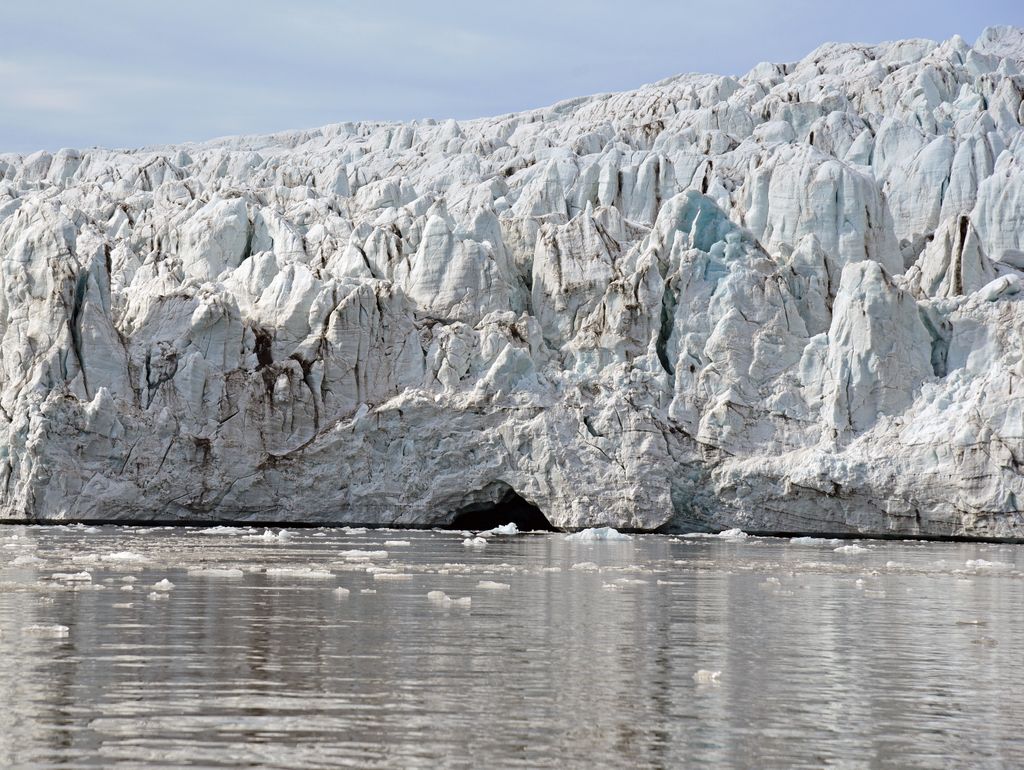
[
  {"x": 355, "y": 530},
  {"x": 874, "y": 593},
  {"x": 629, "y": 582},
  {"x": 550, "y": 569},
  {"x": 704, "y": 676},
  {"x": 859, "y": 582},
  {"x": 223, "y": 530},
  {"x": 732, "y": 534},
  {"x": 391, "y": 576},
  {"x": 988, "y": 566},
  {"x": 504, "y": 529},
  {"x": 310, "y": 573},
  {"x": 91, "y": 530},
  {"x": 597, "y": 533},
  {"x": 397, "y": 543},
  {"x": 851, "y": 549},
  {"x": 156, "y": 596},
  {"x": 493, "y": 586},
  {"x": 341, "y": 593},
  {"x": 129, "y": 579},
  {"x": 224, "y": 572},
  {"x": 368, "y": 591},
  {"x": 269, "y": 536},
  {"x": 122, "y": 556},
  {"x": 357, "y": 555},
  {"x": 813, "y": 541},
  {"x": 54, "y": 631},
  {"x": 441, "y": 599},
  {"x": 728, "y": 534},
  {"x": 72, "y": 577},
  {"x": 584, "y": 566},
  {"x": 163, "y": 585},
  {"x": 474, "y": 542},
  {"x": 25, "y": 559},
  {"x": 123, "y": 606},
  {"x": 128, "y": 588}
]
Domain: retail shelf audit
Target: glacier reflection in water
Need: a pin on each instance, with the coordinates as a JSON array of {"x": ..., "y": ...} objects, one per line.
[{"x": 889, "y": 654}]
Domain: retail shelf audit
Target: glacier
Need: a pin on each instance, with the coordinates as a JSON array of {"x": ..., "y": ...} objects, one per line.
[{"x": 783, "y": 302}]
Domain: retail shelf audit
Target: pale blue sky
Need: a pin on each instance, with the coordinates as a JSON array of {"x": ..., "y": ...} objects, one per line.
[{"x": 117, "y": 73}]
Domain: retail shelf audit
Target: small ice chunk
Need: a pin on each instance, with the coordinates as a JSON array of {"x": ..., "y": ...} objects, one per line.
[
  {"x": 397, "y": 543},
  {"x": 391, "y": 576},
  {"x": 25, "y": 559},
  {"x": 221, "y": 531},
  {"x": 813, "y": 541},
  {"x": 163, "y": 585},
  {"x": 504, "y": 529},
  {"x": 441, "y": 599},
  {"x": 223, "y": 572},
  {"x": 128, "y": 588},
  {"x": 988, "y": 566},
  {"x": 358, "y": 555},
  {"x": 308, "y": 573},
  {"x": 732, "y": 534},
  {"x": 341, "y": 593},
  {"x": 584, "y": 566},
  {"x": 493, "y": 586},
  {"x": 704, "y": 676},
  {"x": 474, "y": 542},
  {"x": 72, "y": 577},
  {"x": 156, "y": 596},
  {"x": 597, "y": 533},
  {"x": 854, "y": 548},
  {"x": 268, "y": 536},
  {"x": 123, "y": 556},
  {"x": 54, "y": 631}
]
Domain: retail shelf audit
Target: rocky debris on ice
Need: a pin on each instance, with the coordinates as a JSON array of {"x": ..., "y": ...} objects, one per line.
[{"x": 782, "y": 302}]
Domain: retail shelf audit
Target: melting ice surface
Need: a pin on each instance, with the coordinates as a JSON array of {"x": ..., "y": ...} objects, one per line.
[{"x": 228, "y": 647}]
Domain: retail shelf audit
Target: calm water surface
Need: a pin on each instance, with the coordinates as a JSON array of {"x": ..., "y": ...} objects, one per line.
[{"x": 893, "y": 654}]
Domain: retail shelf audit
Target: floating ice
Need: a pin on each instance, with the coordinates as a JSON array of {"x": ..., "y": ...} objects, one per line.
[
  {"x": 704, "y": 676},
  {"x": 341, "y": 593},
  {"x": 474, "y": 542},
  {"x": 493, "y": 586},
  {"x": 72, "y": 577},
  {"x": 270, "y": 537},
  {"x": 123, "y": 556},
  {"x": 504, "y": 529},
  {"x": 397, "y": 543},
  {"x": 357, "y": 555},
  {"x": 222, "y": 572},
  {"x": 597, "y": 533},
  {"x": 813, "y": 541},
  {"x": 442, "y": 599},
  {"x": 392, "y": 576},
  {"x": 854, "y": 548},
  {"x": 156, "y": 595},
  {"x": 988, "y": 566},
  {"x": 585, "y": 566},
  {"x": 163, "y": 585},
  {"x": 223, "y": 531},
  {"x": 305, "y": 573},
  {"x": 54, "y": 631},
  {"x": 25, "y": 559}
]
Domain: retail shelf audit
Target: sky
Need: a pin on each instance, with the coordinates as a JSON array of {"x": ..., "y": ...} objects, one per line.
[{"x": 122, "y": 73}]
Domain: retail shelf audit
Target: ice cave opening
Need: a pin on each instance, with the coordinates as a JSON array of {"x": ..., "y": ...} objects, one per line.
[{"x": 511, "y": 507}]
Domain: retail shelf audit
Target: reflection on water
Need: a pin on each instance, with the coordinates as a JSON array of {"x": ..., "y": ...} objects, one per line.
[{"x": 893, "y": 655}]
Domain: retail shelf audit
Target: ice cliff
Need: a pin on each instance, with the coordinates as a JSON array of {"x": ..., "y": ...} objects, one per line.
[{"x": 787, "y": 301}]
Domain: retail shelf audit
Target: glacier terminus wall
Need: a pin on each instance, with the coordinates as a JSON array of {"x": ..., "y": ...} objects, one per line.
[{"x": 789, "y": 301}]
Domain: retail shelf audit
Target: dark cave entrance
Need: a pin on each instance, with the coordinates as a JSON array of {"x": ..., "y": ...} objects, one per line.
[{"x": 510, "y": 507}]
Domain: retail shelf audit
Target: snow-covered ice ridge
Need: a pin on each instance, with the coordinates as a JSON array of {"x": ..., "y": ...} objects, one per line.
[{"x": 786, "y": 301}]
